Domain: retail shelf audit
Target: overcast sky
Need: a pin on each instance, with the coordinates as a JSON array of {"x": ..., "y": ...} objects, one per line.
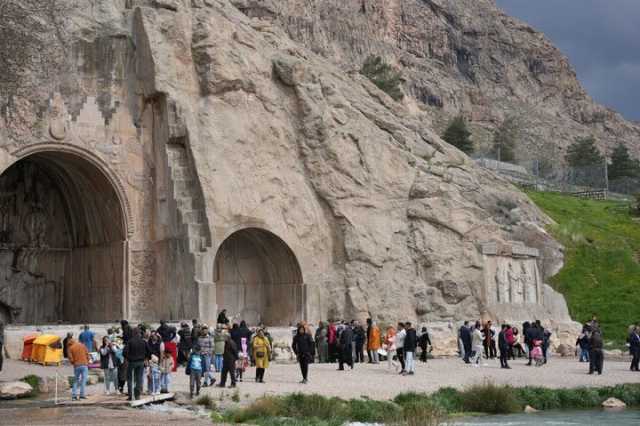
[{"x": 601, "y": 39}]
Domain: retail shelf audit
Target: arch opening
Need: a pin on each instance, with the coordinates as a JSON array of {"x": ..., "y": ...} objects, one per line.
[
  {"x": 62, "y": 241},
  {"x": 258, "y": 279}
]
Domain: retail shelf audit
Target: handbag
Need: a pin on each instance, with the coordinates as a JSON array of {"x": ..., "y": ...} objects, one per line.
[
  {"x": 260, "y": 354},
  {"x": 187, "y": 371}
]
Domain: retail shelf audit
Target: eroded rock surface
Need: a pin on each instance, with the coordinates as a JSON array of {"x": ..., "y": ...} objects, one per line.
[
  {"x": 214, "y": 122},
  {"x": 457, "y": 56}
]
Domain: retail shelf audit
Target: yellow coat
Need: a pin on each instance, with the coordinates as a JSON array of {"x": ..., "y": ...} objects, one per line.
[{"x": 261, "y": 344}]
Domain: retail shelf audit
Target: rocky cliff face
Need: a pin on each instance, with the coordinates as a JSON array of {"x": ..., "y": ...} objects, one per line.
[
  {"x": 459, "y": 56},
  {"x": 193, "y": 101}
]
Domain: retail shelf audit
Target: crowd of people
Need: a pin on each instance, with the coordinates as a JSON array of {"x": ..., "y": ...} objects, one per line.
[
  {"x": 223, "y": 353},
  {"x": 534, "y": 343}
]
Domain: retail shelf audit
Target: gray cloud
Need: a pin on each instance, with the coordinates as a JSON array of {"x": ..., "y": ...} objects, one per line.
[{"x": 601, "y": 39}]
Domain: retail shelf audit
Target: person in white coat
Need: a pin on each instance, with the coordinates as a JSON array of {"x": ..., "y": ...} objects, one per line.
[{"x": 476, "y": 344}]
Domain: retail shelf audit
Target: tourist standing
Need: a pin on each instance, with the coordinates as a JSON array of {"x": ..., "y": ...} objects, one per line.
[
  {"x": 634, "y": 347},
  {"x": 390, "y": 346},
  {"x": 374, "y": 342},
  {"x": 596, "y": 356},
  {"x": 303, "y": 348},
  {"x": 322, "y": 346},
  {"x": 261, "y": 349},
  {"x": 368, "y": 334},
  {"x": 222, "y": 318},
  {"x": 528, "y": 333},
  {"x": 410, "y": 345},
  {"x": 205, "y": 342},
  {"x": 518, "y": 350},
  {"x": 346, "y": 347},
  {"x": 489, "y": 343},
  {"x": 136, "y": 352},
  {"x": 229, "y": 359},
  {"x": 194, "y": 371},
  {"x": 109, "y": 365},
  {"x": 65, "y": 345},
  {"x": 477, "y": 340},
  {"x": 154, "y": 375},
  {"x": 125, "y": 328},
  {"x": 359, "y": 336},
  {"x": 219, "y": 340},
  {"x": 87, "y": 338},
  {"x": 583, "y": 344},
  {"x": 465, "y": 337},
  {"x": 79, "y": 358},
  {"x": 425, "y": 342},
  {"x": 332, "y": 339},
  {"x": 400, "y": 336},
  {"x": 185, "y": 343},
  {"x": 168, "y": 335},
  {"x": 167, "y": 366},
  {"x": 503, "y": 345},
  {"x": 511, "y": 340}
]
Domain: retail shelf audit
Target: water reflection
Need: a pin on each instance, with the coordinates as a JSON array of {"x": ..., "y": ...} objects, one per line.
[{"x": 581, "y": 418}]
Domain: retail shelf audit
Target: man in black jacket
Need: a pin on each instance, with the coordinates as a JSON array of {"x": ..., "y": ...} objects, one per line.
[
  {"x": 304, "y": 349},
  {"x": 229, "y": 358},
  {"x": 425, "y": 342},
  {"x": 596, "y": 357},
  {"x": 359, "y": 338},
  {"x": 465, "y": 336},
  {"x": 345, "y": 343},
  {"x": 136, "y": 352},
  {"x": 409, "y": 349},
  {"x": 503, "y": 345}
]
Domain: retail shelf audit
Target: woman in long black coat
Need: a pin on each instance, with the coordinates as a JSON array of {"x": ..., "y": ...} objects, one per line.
[{"x": 304, "y": 349}]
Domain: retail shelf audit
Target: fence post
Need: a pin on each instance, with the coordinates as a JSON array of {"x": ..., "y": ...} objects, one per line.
[{"x": 606, "y": 177}]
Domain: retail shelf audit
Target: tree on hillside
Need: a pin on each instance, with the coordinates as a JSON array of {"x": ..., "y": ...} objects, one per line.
[
  {"x": 383, "y": 75},
  {"x": 622, "y": 165},
  {"x": 583, "y": 152},
  {"x": 458, "y": 135},
  {"x": 505, "y": 139}
]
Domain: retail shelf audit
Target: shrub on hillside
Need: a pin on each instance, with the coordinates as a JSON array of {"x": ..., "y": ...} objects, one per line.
[
  {"x": 458, "y": 135},
  {"x": 384, "y": 76}
]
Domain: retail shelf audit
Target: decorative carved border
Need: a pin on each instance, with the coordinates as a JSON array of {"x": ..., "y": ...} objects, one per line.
[{"x": 92, "y": 158}]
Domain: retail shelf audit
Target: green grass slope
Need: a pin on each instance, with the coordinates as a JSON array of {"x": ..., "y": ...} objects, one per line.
[{"x": 602, "y": 264}]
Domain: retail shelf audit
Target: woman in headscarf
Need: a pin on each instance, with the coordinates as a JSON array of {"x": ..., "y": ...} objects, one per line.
[{"x": 261, "y": 350}]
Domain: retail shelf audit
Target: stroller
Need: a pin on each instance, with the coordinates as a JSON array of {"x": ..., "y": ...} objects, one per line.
[{"x": 536, "y": 353}]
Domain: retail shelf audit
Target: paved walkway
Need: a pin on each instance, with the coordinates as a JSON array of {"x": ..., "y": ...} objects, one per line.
[{"x": 375, "y": 381}]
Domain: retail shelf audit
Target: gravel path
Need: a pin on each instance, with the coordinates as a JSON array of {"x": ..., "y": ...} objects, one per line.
[
  {"x": 372, "y": 381},
  {"x": 376, "y": 382}
]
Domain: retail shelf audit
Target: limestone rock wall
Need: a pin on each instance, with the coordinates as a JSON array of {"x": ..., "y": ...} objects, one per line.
[
  {"x": 211, "y": 122},
  {"x": 459, "y": 56}
]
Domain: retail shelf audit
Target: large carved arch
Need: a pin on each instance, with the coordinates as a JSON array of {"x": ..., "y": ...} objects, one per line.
[{"x": 64, "y": 226}]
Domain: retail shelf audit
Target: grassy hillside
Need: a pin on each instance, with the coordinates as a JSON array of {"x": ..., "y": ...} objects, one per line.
[{"x": 602, "y": 265}]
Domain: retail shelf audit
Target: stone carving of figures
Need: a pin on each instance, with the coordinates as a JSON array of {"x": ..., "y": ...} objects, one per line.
[
  {"x": 35, "y": 226},
  {"x": 515, "y": 285},
  {"x": 502, "y": 285},
  {"x": 530, "y": 287}
]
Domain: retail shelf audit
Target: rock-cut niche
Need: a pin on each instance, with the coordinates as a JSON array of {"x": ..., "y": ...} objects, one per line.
[
  {"x": 62, "y": 247},
  {"x": 258, "y": 279}
]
